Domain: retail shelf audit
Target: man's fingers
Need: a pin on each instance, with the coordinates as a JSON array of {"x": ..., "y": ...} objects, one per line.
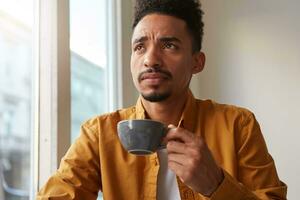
[
  {"x": 176, "y": 167},
  {"x": 176, "y": 147},
  {"x": 170, "y": 126},
  {"x": 178, "y": 158},
  {"x": 179, "y": 134}
]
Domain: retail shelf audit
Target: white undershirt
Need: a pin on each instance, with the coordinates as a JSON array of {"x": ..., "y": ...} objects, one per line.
[{"x": 167, "y": 187}]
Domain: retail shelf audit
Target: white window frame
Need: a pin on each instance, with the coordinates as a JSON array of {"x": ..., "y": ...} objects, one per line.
[
  {"x": 52, "y": 102},
  {"x": 52, "y": 89},
  {"x": 114, "y": 71}
]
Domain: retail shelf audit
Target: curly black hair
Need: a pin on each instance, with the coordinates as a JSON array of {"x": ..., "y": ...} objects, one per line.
[{"x": 187, "y": 10}]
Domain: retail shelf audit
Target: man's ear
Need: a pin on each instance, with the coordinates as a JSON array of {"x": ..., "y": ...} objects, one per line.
[{"x": 199, "y": 62}]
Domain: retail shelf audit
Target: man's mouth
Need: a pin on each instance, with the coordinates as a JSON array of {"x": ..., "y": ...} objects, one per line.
[{"x": 155, "y": 75}]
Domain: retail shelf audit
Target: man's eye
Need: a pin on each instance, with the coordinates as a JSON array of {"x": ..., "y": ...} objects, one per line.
[
  {"x": 138, "y": 47},
  {"x": 169, "y": 46}
]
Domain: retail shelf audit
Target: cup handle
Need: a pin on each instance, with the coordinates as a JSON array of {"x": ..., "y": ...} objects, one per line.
[{"x": 163, "y": 146}]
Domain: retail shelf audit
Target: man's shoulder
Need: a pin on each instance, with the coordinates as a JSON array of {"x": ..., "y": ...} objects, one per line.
[
  {"x": 211, "y": 107},
  {"x": 110, "y": 117}
]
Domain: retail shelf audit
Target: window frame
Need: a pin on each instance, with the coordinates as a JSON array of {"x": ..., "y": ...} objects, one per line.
[{"x": 52, "y": 88}]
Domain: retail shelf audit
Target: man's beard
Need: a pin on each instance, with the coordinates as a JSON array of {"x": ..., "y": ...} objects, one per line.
[{"x": 156, "y": 97}]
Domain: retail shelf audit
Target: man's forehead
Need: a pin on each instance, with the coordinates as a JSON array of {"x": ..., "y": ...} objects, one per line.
[
  {"x": 159, "y": 25},
  {"x": 147, "y": 35}
]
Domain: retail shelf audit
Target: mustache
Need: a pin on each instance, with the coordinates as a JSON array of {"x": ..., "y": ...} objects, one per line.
[{"x": 166, "y": 73}]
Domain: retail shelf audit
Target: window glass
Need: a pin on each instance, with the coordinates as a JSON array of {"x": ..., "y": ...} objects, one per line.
[
  {"x": 16, "y": 80},
  {"x": 88, "y": 60},
  {"x": 88, "y": 36}
]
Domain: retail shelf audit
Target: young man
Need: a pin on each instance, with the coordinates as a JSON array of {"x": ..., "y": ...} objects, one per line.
[{"x": 213, "y": 151}]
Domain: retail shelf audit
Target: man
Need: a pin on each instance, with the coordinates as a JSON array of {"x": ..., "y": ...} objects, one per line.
[{"x": 213, "y": 151}]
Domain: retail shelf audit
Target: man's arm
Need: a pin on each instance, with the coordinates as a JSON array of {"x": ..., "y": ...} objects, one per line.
[
  {"x": 78, "y": 176},
  {"x": 192, "y": 161},
  {"x": 257, "y": 177}
]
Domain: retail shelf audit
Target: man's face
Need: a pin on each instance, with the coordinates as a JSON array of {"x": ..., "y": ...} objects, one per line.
[{"x": 162, "y": 61}]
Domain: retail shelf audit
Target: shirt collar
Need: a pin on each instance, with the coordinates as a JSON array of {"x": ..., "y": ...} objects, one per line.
[
  {"x": 187, "y": 119},
  {"x": 189, "y": 114},
  {"x": 139, "y": 109}
]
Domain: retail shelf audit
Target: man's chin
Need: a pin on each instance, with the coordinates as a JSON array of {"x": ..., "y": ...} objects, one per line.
[{"x": 156, "y": 97}]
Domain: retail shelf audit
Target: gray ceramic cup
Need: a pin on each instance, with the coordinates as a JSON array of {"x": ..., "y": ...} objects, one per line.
[{"x": 141, "y": 136}]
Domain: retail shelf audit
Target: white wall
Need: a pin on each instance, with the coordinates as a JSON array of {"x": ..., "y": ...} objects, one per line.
[{"x": 253, "y": 60}]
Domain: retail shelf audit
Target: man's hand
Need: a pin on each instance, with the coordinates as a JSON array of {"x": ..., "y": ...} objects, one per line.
[{"x": 191, "y": 160}]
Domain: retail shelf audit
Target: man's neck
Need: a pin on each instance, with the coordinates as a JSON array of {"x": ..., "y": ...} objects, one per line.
[{"x": 168, "y": 111}]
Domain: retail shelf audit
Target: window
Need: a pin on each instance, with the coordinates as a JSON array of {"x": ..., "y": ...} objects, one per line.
[
  {"x": 37, "y": 58},
  {"x": 88, "y": 28},
  {"x": 16, "y": 66},
  {"x": 89, "y": 61}
]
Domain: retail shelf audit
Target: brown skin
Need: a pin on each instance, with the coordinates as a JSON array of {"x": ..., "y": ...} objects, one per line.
[
  {"x": 191, "y": 160},
  {"x": 163, "y": 43}
]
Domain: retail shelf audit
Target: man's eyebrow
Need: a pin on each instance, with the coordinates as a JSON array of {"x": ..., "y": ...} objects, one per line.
[
  {"x": 162, "y": 39},
  {"x": 140, "y": 39},
  {"x": 169, "y": 39}
]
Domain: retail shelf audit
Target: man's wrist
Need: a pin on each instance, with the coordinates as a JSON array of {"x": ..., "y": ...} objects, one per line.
[{"x": 218, "y": 183}]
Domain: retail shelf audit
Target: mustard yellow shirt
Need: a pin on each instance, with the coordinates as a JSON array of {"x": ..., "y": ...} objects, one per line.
[{"x": 97, "y": 161}]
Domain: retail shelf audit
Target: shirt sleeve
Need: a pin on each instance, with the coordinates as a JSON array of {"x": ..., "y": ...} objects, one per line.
[
  {"x": 257, "y": 177},
  {"x": 78, "y": 176},
  {"x": 230, "y": 188}
]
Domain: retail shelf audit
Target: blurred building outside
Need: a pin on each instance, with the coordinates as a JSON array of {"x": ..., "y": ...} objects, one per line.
[{"x": 16, "y": 97}]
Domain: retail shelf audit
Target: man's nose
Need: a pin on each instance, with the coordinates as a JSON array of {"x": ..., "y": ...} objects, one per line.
[{"x": 152, "y": 58}]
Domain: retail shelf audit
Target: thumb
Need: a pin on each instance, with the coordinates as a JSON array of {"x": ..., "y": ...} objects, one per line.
[{"x": 171, "y": 126}]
